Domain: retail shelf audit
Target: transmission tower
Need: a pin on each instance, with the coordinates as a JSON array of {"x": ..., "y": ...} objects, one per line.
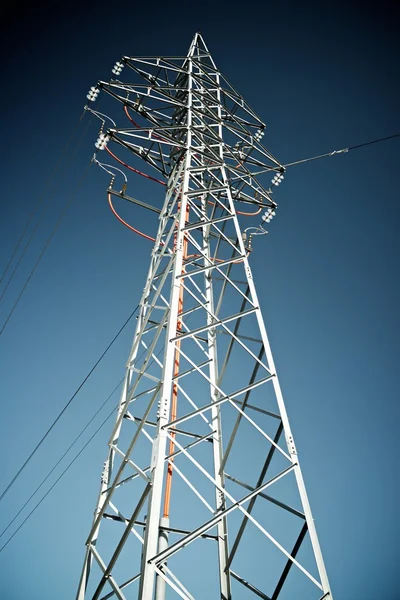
[{"x": 201, "y": 493}]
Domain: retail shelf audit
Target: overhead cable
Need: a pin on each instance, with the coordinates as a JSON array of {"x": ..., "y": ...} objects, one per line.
[
  {"x": 66, "y": 207},
  {"x": 343, "y": 150},
  {"x": 39, "y": 204},
  {"x": 65, "y": 407},
  {"x": 68, "y": 466},
  {"x": 60, "y": 459},
  {"x": 56, "y": 481}
]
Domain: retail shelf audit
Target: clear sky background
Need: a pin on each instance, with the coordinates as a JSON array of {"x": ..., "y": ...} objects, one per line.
[{"x": 323, "y": 77}]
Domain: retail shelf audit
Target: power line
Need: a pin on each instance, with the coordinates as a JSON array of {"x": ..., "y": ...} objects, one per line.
[
  {"x": 65, "y": 407},
  {"x": 56, "y": 481},
  {"x": 60, "y": 459},
  {"x": 21, "y": 255},
  {"x": 343, "y": 150},
  {"x": 389, "y": 137},
  {"x": 66, "y": 207},
  {"x": 65, "y": 453},
  {"x": 20, "y": 241},
  {"x": 41, "y": 200},
  {"x": 69, "y": 465}
]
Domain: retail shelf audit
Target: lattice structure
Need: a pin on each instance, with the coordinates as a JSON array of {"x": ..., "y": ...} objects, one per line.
[{"x": 201, "y": 495}]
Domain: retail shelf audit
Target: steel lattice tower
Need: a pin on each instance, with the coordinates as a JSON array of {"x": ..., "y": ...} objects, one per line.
[{"x": 201, "y": 494}]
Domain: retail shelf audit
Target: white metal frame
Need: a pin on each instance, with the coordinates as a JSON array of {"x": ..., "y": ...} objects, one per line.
[{"x": 200, "y": 311}]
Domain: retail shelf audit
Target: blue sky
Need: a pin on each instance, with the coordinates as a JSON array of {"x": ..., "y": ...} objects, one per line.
[{"x": 327, "y": 274}]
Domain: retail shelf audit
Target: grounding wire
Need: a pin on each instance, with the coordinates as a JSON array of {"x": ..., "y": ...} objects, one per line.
[
  {"x": 66, "y": 207},
  {"x": 66, "y": 406},
  {"x": 41, "y": 200}
]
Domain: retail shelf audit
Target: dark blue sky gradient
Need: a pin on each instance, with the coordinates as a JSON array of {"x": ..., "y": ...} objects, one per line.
[{"x": 323, "y": 77}]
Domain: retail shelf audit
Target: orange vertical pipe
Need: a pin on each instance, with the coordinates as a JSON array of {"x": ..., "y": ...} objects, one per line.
[{"x": 174, "y": 402}]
